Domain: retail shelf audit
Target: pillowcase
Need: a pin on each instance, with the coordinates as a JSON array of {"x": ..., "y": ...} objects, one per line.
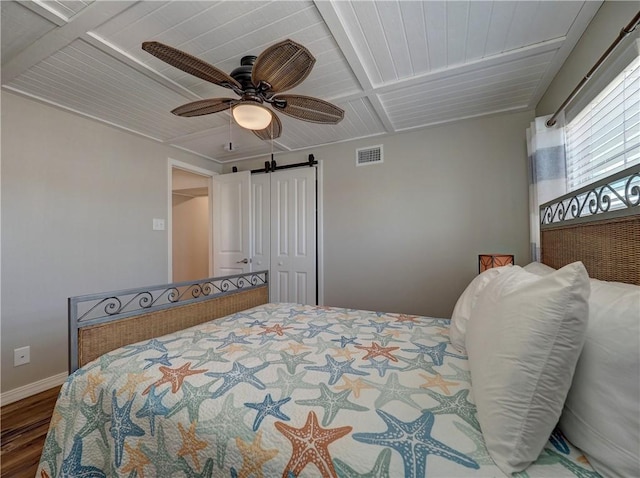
[
  {"x": 466, "y": 302},
  {"x": 602, "y": 413},
  {"x": 523, "y": 339},
  {"x": 538, "y": 268}
]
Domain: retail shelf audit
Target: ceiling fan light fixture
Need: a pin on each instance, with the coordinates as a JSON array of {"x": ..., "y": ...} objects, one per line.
[{"x": 252, "y": 116}]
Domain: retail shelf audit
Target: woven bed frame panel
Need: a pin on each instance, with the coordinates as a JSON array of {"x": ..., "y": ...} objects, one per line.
[
  {"x": 96, "y": 340},
  {"x": 610, "y": 250}
]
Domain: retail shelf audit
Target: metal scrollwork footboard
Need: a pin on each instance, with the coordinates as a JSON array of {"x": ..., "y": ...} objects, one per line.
[{"x": 178, "y": 303}]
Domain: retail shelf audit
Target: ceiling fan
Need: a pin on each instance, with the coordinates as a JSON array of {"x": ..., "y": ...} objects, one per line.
[{"x": 258, "y": 81}]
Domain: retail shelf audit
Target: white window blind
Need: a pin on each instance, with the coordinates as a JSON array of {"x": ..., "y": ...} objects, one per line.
[{"x": 605, "y": 136}]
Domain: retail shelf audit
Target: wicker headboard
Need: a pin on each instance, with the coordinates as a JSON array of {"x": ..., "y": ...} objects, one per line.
[
  {"x": 598, "y": 225},
  {"x": 100, "y": 323}
]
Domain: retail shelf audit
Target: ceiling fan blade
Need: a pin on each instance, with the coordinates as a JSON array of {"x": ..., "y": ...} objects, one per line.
[
  {"x": 283, "y": 65},
  {"x": 308, "y": 108},
  {"x": 204, "y": 107},
  {"x": 189, "y": 64},
  {"x": 273, "y": 131}
]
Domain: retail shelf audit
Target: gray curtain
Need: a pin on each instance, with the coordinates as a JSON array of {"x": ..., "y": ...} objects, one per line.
[{"x": 547, "y": 171}]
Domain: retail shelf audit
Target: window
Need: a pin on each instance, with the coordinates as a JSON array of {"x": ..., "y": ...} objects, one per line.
[{"x": 605, "y": 136}]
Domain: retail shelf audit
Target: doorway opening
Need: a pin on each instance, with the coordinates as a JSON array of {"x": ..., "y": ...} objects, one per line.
[{"x": 190, "y": 224}]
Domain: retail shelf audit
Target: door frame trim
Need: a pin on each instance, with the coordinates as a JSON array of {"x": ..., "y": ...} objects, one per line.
[
  {"x": 320, "y": 230},
  {"x": 171, "y": 164}
]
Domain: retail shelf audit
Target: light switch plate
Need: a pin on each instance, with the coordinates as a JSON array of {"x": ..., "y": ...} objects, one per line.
[{"x": 158, "y": 224}]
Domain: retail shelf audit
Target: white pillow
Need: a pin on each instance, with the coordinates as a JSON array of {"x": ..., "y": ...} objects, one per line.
[
  {"x": 466, "y": 302},
  {"x": 523, "y": 340},
  {"x": 602, "y": 413},
  {"x": 538, "y": 268}
]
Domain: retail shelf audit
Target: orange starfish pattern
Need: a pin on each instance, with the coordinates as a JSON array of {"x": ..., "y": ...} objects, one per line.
[
  {"x": 44, "y": 474},
  {"x": 295, "y": 347},
  {"x": 174, "y": 376},
  {"x": 137, "y": 460},
  {"x": 93, "y": 380},
  {"x": 406, "y": 318},
  {"x": 133, "y": 381},
  {"x": 234, "y": 348},
  {"x": 345, "y": 352},
  {"x": 376, "y": 350},
  {"x": 437, "y": 381},
  {"x": 354, "y": 385},
  {"x": 310, "y": 445},
  {"x": 253, "y": 456},
  {"x": 277, "y": 329},
  {"x": 190, "y": 444}
]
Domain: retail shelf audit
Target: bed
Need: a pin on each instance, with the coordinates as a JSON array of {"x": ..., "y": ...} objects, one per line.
[{"x": 209, "y": 379}]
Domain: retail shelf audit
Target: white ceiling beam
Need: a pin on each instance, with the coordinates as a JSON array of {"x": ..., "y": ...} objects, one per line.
[
  {"x": 45, "y": 11},
  {"x": 89, "y": 18},
  {"x": 332, "y": 19}
]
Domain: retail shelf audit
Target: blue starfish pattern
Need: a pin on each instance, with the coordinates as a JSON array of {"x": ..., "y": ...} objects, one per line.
[
  {"x": 257, "y": 323},
  {"x": 344, "y": 341},
  {"x": 292, "y": 360},
  {"x": 122, "y": 426},
  {"x": 382, "y": 366},
  {"x": 558, "y": 441},
  {"x": 332, "y": 403},
  {"x": 192, "y": 398},
  {"x": 436, "y": 352},
  {"x": 50, "y": 451},
  {"x": 380, "y": 468},
  {"x": 456, "y": 404},
  {"x": 95, "y": 417},
  {"x": 576, "y": 469},
  {"x": 152, "y": 344},
  {"x": 209, "y": 355},
  {"x": 164, "y": 359},
  {"x": 336, "y": 369},
  {"x": 232, "y": 338},
  {"x": 268, "y": 407},
  {"x": 380, "y": 326},
  {"x": 313, "y": 330},
  {"x": 419, "y": 363},
  {"x": 161, "y": 458},
  {"x": 238, "y": 373},
  {"x": 414, "y": 442},
  {"x": 72, "y": 466},
  {"x": 385, "y": 339},
  {"x": 153, "y": 408}
]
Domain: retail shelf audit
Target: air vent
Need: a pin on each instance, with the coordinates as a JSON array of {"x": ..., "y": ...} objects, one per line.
[{"x": 370, "y": 155}]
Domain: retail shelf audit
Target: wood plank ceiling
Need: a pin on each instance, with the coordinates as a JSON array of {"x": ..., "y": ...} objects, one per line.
[{"x": 391, "y": 65}]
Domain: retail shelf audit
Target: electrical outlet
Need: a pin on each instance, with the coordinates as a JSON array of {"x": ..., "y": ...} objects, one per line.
[{"x": 21, "y": 356}]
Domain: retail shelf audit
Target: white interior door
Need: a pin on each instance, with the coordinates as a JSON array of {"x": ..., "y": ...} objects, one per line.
[
  {"x": 293, "y": 236},
  {"x": 260, "y": 221},
  {"x": 231, "y": 219}
]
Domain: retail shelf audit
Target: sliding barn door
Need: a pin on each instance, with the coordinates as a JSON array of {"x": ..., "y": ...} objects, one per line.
[
  {"x": 293, "y": 236},
  {"x": 232, "y": 223}
]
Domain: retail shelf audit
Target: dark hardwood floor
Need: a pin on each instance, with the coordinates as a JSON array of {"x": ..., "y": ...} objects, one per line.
[{"x": 24, "y": 427}]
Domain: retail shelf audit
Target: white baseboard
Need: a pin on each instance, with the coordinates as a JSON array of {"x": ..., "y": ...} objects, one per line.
[{"x": 32, "y": 388}]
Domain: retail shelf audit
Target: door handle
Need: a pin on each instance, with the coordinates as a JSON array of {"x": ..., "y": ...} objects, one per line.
[{"x": 243, "y": 261}]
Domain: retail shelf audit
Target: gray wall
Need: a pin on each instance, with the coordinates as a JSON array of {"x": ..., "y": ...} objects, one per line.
[
  {"x": 601, "y": 32},
  {"x": 405, "y": 235},
  {"x": 78, "y": 199}
]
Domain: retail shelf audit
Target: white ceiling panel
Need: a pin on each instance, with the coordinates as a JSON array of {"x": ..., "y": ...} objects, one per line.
[
  {"x": 215, "y": 142},
  {"x": 391, "y": 65},
  {"x": 89, "y": 81},
  {"x": 20, "y": 28}
]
